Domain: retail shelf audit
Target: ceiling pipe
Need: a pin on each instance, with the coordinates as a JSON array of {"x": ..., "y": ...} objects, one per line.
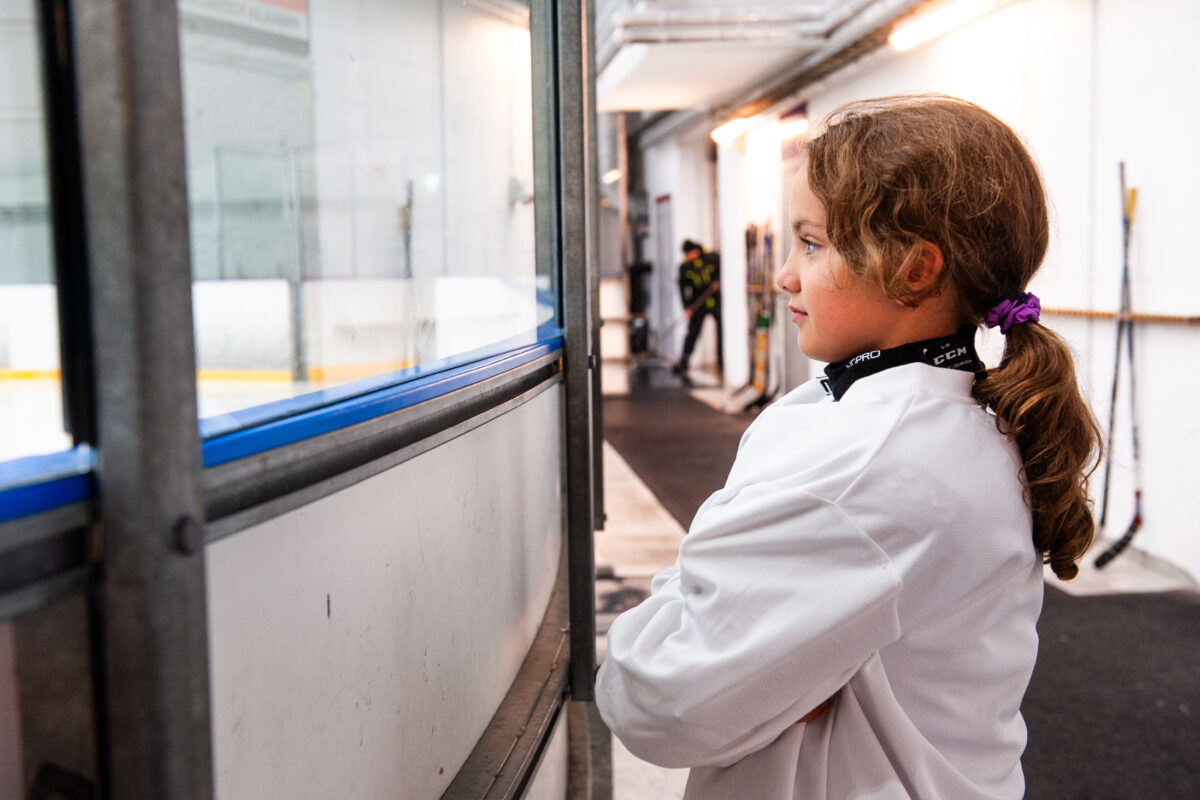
[
  {"x": 720, "y": 16},
  {"x": 856, "y": 37},
  {"x": 720, "y": 33},
  {"x": 799, "y": 36},
  {"x": 821, "y": 20},
  {"x": 845, "y": 12},
  {"x": 860, "y": 36},
  {"x": 803, "y": 26},
  {"x": 803, "y": 23}
]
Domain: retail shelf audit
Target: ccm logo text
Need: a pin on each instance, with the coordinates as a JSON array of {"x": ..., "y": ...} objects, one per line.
[{"x": 944, "y": 357}]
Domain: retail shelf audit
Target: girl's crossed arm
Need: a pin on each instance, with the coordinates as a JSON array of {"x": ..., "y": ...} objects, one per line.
[{"x": 775, "y": 601}]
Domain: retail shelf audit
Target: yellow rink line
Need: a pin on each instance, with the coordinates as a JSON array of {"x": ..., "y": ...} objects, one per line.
[
  {"x": 351, "y": 372},
  {"x": 333, "y": 373},
  {"x": 337, "y": 373},
  {"x": 10, "y": 374},
  {"x": 270, "y": 375}
]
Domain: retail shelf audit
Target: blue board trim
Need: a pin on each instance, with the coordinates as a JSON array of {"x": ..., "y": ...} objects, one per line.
[
  {"x": 35, "y": 484},
  {"x": 279, "y": 432},
  {"x": 222, "y": 424}
]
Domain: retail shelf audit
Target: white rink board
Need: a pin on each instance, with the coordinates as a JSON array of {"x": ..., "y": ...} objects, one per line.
[{"x": 359, "y": 645}]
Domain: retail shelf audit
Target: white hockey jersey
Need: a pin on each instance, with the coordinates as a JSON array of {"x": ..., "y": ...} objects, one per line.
[{"x": 877, "y": 550}]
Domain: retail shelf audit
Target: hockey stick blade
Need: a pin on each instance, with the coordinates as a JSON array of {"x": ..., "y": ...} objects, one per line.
[{"x": 1119, "y": 545}]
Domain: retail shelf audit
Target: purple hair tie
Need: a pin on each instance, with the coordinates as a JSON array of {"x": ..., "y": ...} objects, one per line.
[{"x": 1025, "y": 307}]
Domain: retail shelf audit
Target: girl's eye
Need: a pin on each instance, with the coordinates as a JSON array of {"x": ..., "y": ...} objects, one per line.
[{"x": 810, "y": 247}]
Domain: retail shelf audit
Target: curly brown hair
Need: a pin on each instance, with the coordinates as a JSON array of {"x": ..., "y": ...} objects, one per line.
[{"x": 895, "y": 173}]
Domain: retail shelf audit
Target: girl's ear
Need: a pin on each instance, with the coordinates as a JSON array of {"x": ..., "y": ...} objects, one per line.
[{"x": 926, "y": 273}]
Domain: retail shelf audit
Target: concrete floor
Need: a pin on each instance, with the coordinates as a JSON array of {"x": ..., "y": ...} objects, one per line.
[{"x": 639, "y": 539}]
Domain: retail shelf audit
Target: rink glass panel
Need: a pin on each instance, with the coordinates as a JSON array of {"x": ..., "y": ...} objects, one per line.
[
  {"x": 31, "y": 416},
  {"x": 360, "y": 183}
]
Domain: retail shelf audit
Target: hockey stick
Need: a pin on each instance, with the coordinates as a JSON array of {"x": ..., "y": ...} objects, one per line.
[
  {"x": 751, "y": 300},
  {"x": 745, "y": 396},
  {"x": 762, "y": 323},
  {"x": 1122, "y": 319},
  {"x": 691, "y": 309},
  {"x": 1124, "y": 325}
]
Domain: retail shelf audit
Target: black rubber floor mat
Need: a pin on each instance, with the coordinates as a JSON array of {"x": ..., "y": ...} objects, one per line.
[
  {"x": 681, "y": 448},
  {"x": 1113, "y": 708}
]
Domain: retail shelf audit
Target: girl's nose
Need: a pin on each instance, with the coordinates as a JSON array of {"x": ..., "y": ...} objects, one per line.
[{"x": 787, "y": 280}]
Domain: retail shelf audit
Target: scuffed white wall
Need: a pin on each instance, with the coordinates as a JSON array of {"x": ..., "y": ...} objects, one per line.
[
  {"x": 242, "y": 325},
  {"x": 29, "y": 327},
  {"x": 26, "y": 250},
  {"x": 732, "y": 194},
  {"x": 682, "y": 171},
  {"x": 436, "y": 94},
  {"x": 662, "y": 168},
  {"x": 360, "y": 644}
]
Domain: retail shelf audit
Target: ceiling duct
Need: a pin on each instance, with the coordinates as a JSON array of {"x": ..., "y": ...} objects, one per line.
[
  {"x": 854, "y": 37},
  {"x": 655, "y": 57}
]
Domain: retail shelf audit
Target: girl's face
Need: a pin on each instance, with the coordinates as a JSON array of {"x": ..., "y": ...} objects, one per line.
[{"x": 838, "y": 313}]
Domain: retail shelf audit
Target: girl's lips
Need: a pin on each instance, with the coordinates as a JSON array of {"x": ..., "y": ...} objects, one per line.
[{"x": 797, "y": 314}]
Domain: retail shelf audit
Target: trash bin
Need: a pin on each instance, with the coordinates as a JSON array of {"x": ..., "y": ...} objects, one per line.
[{"x": 639, "y": 287}]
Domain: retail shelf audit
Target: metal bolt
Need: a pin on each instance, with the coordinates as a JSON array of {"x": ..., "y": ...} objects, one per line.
[{"x": 189, "y": 535}]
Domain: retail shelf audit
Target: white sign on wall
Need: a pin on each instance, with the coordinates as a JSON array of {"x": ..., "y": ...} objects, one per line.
[{"x": 282, "y": 17}]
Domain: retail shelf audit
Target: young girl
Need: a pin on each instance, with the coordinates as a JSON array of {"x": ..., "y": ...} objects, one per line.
[{"x": 853, "y": 615}]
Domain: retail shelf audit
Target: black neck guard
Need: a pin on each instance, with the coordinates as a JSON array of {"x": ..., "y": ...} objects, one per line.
[{"x": 948, "y": 352}]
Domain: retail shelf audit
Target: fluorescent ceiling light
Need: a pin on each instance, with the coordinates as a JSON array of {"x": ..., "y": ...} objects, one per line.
[
  {"x": 792, "y": 128},
  {"x": 733, "y": 129},
  {"x": 940, "y": 21}
]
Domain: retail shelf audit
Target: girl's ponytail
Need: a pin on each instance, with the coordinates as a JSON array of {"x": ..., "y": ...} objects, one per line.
[{"x": 1037, "y": 402}]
